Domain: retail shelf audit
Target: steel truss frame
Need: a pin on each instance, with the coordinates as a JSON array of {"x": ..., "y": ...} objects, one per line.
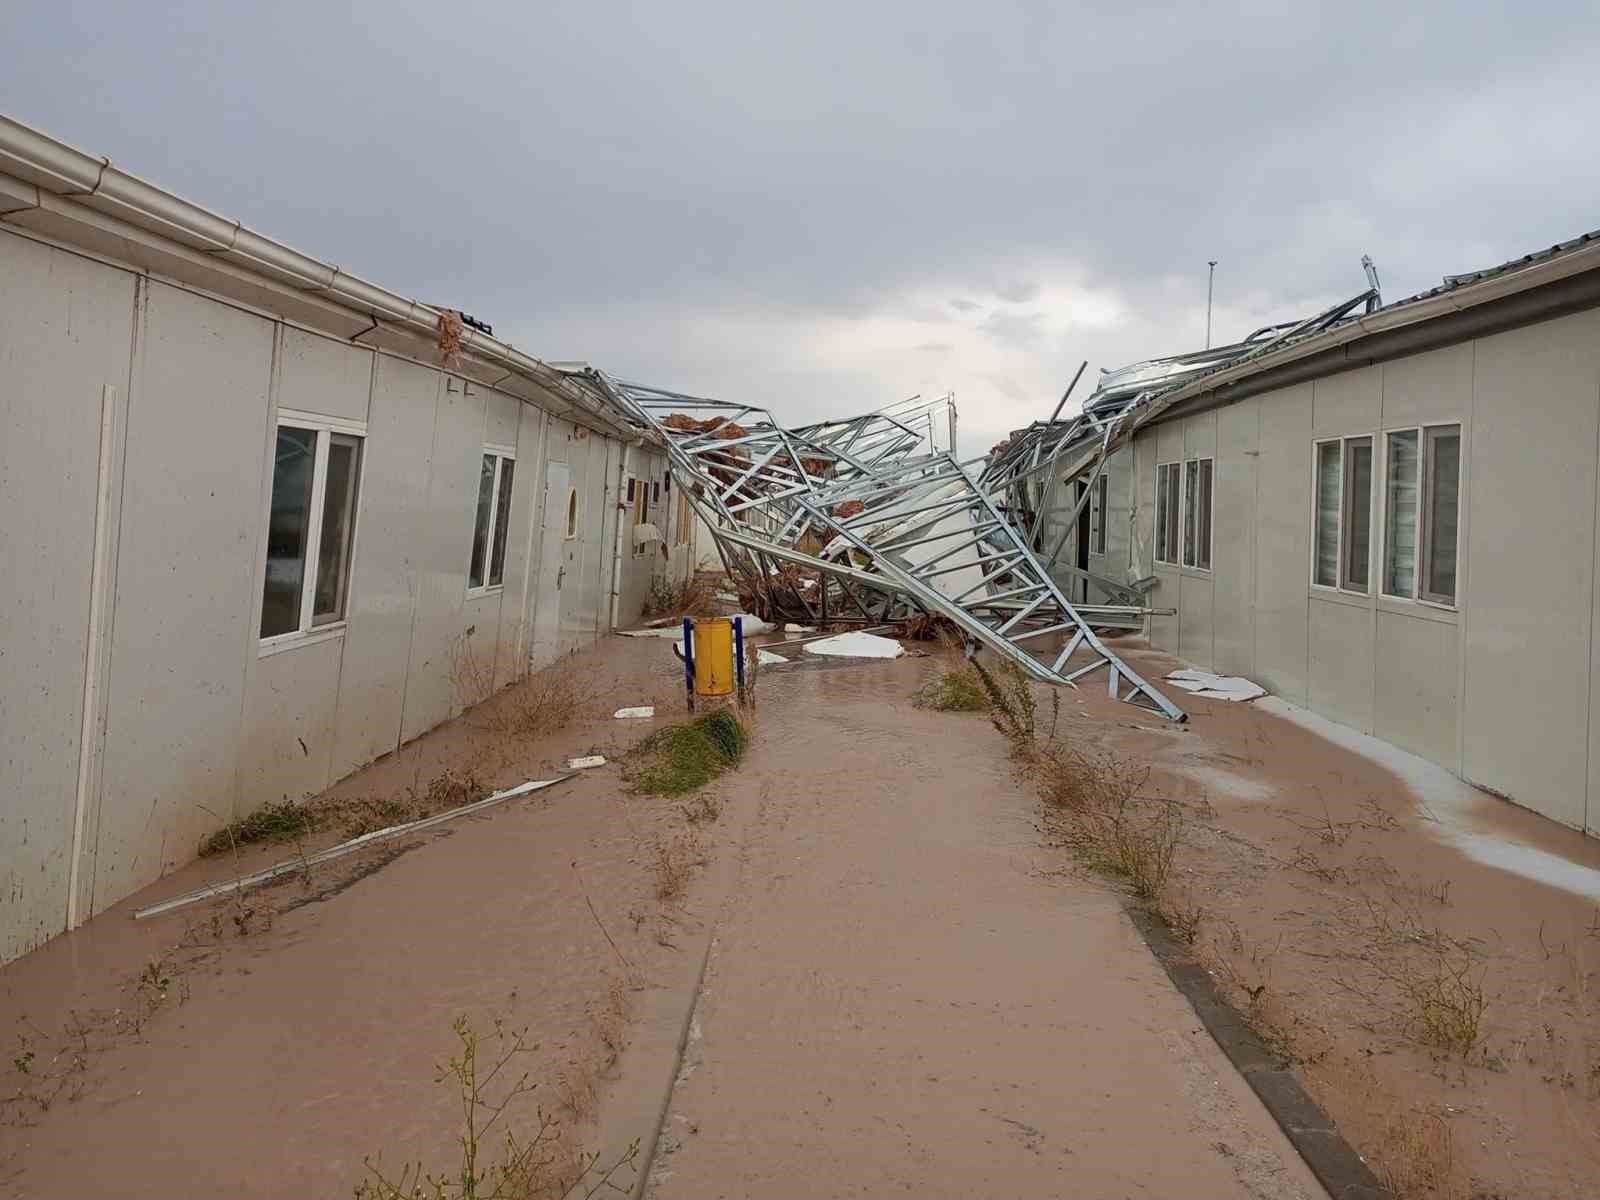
[{"x": 864, "y": 519}]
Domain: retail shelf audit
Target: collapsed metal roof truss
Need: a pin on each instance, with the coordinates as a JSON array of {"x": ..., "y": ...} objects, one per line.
[{"x": 865, "y": 520}]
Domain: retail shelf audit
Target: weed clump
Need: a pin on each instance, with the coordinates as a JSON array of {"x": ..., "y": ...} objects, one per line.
[
  {"x": 683, "y": 758},
  {"x": 282, "y": 821},
  {"x": 288, "y": 821},
  {"x": 953, "y": 691}
]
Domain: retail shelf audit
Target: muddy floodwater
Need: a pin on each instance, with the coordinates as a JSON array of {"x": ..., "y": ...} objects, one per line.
[{"x": 882, "y": 974}]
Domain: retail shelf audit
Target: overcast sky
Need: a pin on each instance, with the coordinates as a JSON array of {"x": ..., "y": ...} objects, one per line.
[{"x": 825, "y": 207}]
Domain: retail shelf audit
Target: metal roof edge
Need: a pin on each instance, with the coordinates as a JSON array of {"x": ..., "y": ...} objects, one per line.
[
  {"x": 81, "y": 190},
  {"x": 1584, "y": 256}
]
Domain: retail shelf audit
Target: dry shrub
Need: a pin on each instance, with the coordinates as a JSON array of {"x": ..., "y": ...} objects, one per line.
[
  {"x": 673, "y": 862},
  {"x": 579, "y": 1090},
  {"x": 470, "y": 669},
  {"x": 694, "y": 597},
  {"x": 1245, "y": 975},
  {"x": 538, "y": 1166},
  {"x": 546, "y": 701},
  {"x": 1440, "y": 1003},
  {"x": 1428, "y": 982},
  {"x": 1411, "y": 1147},
  {"x": 610, "y": 1018},
  {"x": 1012, "y": 708},
  {"x": 929, "y": 627},
  {"x": 1095, "y": 808}
]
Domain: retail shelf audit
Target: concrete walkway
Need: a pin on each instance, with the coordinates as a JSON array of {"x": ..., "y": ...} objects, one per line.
[{"x": 908, "y": 994}]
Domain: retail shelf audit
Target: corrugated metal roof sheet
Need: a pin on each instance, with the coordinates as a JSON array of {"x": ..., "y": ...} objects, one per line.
[{"x": 1451, "y": 282}]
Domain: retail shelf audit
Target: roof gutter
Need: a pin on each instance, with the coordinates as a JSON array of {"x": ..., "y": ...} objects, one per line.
[{"x": 64, "y": 177}]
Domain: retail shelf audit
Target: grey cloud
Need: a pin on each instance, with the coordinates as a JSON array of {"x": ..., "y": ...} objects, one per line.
[{"x": 556, "y": 167}]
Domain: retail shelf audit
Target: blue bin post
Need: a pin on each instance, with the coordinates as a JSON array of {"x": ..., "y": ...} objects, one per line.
[
  {"x": 688, "y": 659},
  {"x": 738, "y": 654}
]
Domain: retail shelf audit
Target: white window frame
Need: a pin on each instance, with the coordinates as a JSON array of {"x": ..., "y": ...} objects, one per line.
[
  {"x": 1175, "y": 504},
  {"x": 639, "y": 497},
  {"x": 308, "y": 633},
  {"x": 501, "y": 454},
  {"x": 1181, "y": 501},
  {"x": 1377, "y": 527},
  {"x": 1424, "y": 521},
  {"x": 1183, "y": 513}
]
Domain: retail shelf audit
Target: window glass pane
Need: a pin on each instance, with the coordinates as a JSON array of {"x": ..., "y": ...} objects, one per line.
[
  {"x": 1400, "y": 516},
  {"x": 1327, "y": 551},
  {"x": 338, "y": 521},
  {"x": 1444, "y": 485},
  {"x": 1358, "y": 513},
  {"x": 1202, "y": 554},
  {"x": 1172, "y": 512},
  {"x": 288, "y": 522},
  {"x": 502, "y": 522},
  {"x": 1162, "y": 553},
  {"x": 1191, "y": 473},
  {"x": 480, "y": 523}
]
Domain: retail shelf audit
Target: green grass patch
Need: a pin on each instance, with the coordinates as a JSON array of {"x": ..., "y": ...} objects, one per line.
[
  {"x": 282, "y": 822},
  {"x": 953, "y": 691},
  {"x": 682, "y": 758}
]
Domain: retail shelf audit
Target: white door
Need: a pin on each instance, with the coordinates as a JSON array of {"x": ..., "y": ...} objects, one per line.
[{"x": 546, "y": 647}]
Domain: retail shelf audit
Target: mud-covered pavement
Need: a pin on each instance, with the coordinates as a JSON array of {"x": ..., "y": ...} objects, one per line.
[{"x": 907, "y": 994}]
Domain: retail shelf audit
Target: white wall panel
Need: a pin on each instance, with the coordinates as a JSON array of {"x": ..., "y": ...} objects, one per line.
[
  {"x": 1233, "y": 553},
  {"x": 396, "y": 462},
  {"x": 443, "y": 544},
  {"x": 1283, "y": 541},
  {"x": 1347, "y": 403},
  {"x": 1529, "y": 548},
  {"x": 1415, "y": 700},
  {"x": 324, "y": 376},
  {"x": 1194, "y": 620},
  {"x": 66, "y": 328},
  {"x": 516, "y": 616},
  {"x": 1341, "y": 661},
  {"x": 287, "y": 741},
  {"x": 191, "y": 517}
]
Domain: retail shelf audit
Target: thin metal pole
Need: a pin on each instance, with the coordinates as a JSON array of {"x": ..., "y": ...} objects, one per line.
[{"x": 1211, "y": 277}]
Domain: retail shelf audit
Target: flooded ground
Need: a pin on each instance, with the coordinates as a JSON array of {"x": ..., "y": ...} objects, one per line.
[
  {"x": 905, "y": 985},
  {"x": 1347, "y": 880}
]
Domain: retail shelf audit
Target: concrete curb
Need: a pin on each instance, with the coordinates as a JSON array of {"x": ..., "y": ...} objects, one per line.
[
  {"x": 647, "y": 1151},
  {"x": 1312, "y": 1132}
]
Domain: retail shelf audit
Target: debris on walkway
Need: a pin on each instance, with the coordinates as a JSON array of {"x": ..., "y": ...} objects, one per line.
[
  {"x": 305, "y": 861},
  {"x": 767, "y": 658},
  {"x": 857, "y": 645},
  {"x": 640, "y": 710},
  {"x": 1216, "y": 687},
  {"x": 587, "y": 761}
]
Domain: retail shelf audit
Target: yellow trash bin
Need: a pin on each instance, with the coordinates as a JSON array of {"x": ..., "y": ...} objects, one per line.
[{"x": 714, "y": 668}]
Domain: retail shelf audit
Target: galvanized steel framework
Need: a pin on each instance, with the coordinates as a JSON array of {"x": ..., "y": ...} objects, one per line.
[{"x": 865, "y": 519}]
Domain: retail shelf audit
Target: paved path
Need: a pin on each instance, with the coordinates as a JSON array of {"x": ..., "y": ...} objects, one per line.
[{"x": 908, "y": 995}]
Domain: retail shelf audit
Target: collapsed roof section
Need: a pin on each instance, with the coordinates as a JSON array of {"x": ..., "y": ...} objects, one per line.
[
  {"x": 1025, "y": 468},
  {"x": 865, "y": 520},
  {"x": 1548, "y": 282}
]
